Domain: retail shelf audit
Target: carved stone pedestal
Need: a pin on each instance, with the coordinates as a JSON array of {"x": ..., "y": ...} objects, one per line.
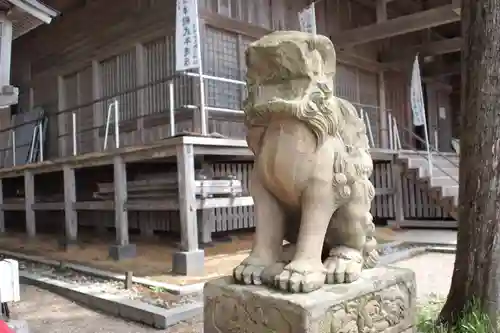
[{"x": 383, "y": 300}]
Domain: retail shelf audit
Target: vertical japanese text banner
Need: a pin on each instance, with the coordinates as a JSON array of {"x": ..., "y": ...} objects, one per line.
[
  {"x": 187, "y": 35},
  {"x": 307, "y": 19},
  {"x": 417, "y": 96}
]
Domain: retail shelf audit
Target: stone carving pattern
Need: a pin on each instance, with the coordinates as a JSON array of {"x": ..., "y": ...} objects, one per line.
[{"x": 373, "y": 313}]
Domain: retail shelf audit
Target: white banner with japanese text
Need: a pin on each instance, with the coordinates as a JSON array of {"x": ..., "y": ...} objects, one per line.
[
  {"x": 187, "y": 35},
  {"x": 417, "y": 95},
  {"x": 307, "y": 19}
]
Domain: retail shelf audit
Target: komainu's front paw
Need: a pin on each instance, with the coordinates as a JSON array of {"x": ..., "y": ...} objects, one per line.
[
  {"x": 343, "y": 265},
  {"x": 301, "y": 277},
  {"x": 250, "y": 271}
]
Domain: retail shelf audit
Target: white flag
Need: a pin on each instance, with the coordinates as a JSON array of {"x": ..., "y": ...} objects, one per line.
[
  {"x": 417, "y": 95},
  {"x": 307, "y": 19},
  {"x": 187, "y": 35}
]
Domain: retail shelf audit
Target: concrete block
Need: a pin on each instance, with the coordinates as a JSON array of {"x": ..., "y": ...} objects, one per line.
[
  {"x": 122, "y": 252},
  {"x": 188, "y": 263},
  {"x": 382, "y": 300},
  {"x": 138, "y": 311},
  {"x": 175, "y": 315}
]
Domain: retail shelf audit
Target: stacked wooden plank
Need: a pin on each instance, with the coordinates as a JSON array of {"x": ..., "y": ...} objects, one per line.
[{"x": 165, "y": 186}]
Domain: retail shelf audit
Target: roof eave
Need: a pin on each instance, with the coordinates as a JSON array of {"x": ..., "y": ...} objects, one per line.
[{"x": 37, "y": 9}]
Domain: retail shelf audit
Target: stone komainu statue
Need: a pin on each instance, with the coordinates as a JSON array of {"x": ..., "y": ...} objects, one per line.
[{"x": 310, "y": 182}]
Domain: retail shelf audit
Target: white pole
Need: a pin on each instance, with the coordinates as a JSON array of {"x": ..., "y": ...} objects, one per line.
[
  {"x": 172, "y": 107},
  {"x": 436, "y": 140},
  {"x": 429, "y": 155},
  {"x": 74, "y": 133},
  {"x": 108, "y": 120},
  {"x": 391, "y": 135},
  {"x": 117, "y": 125},
  {"x": 40, "y": 143},
  {"x": 367, "y": 122},
  {"x": 13, "y": 147},
  {"x": 203, "y": 112}
]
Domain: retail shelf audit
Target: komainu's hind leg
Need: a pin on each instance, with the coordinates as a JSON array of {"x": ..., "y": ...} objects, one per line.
[{"x": 269, "y": 233}]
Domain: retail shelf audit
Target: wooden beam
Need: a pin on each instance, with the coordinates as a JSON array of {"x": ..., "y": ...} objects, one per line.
[
  {"x": 398, "y": 26},
  {"x": 438, "y": 69},
  {"x": 444, "y": 46}
]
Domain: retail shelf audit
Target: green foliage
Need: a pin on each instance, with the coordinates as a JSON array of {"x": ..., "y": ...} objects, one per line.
[{"x": 473, "y": 321}]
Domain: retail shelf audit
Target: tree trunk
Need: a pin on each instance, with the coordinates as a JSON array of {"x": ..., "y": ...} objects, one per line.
[{"x": 475, "y": 276}]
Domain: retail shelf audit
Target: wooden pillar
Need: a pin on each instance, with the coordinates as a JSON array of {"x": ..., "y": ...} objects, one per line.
[
  {"x": 2, "y": 212},
  {"x": 62, "y": 118},
  {"x": 70, "y": 214},
  {"x": 98, "y": 109},
  {"x": 190, "y": 260},
  {"x": 383, "y": 116},
  {"x": 141, "y": 93},
  {"x": 187, "y": 197},
  {"x": 122, "y": 248},
  {"x": 29, "y": 200},
  {"x": 397, "y": 174}
]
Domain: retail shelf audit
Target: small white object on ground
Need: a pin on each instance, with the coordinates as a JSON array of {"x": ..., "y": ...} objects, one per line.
[{"x": 18, "y": 326}]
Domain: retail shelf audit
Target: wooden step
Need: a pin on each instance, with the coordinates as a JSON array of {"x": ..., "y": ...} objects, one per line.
[{"x": 441, "y": 181}]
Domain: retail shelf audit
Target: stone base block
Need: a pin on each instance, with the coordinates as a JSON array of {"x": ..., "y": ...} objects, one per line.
[
  {"x": 189, "y": 263},
  {"x": 18, "y": 326},
  {"x": 381, "y": 301},
  {"x": 121, "y": 252}
]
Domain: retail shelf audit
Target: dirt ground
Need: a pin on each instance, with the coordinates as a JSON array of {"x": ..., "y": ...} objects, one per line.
[{"x": 153, "y": 255}]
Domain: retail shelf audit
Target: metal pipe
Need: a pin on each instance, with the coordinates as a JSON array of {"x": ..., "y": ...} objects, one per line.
[
  {"x": 216, "y": 78},
  {"x": 391, "y": 135},
  {"x": 398, "y": 139},
  {"x": 203, "y": 111},
  {"x": 108, "y": 119},
  {"x": 40, "y": 142},
  {"x": 436, "y": 140},
  {"x": 223, "y": 110},
  {"x": 172, "y": 107},
  {"x": 117, "y": 125},
  {"x": 13, "y": 147},
  {"x": 366, "y": 119},
  {"x": 74, "y": 133}
]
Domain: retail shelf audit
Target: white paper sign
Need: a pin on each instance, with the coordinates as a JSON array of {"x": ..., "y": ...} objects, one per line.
[
  {"x": 307, "y": 19},
  {"x": 417, "y": 96},
  {"x": 187, "y": 35},
  {"x": 442, "y": 112}
]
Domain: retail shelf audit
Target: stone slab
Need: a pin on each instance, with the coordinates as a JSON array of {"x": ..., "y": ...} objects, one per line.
[
  {"x": 111, "y": 304},
  {"x": 122, "y": 252},
  {"x": 188, "y": 263},
  {"x": 18, "y": 326},
  {"x": 381, "y": 301}
]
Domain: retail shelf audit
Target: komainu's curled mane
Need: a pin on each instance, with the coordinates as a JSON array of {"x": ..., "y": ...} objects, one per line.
[{"x": 296, "y": 78}]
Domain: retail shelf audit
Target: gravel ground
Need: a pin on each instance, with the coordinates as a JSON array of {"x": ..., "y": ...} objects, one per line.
[
  {"x": 154, "y": 296},
  {"x": 433, "y": 273},
  {"x": 47, "y": 312}
]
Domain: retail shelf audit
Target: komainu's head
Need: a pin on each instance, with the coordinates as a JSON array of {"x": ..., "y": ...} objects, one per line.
[{"x": 292, "y": 72}]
